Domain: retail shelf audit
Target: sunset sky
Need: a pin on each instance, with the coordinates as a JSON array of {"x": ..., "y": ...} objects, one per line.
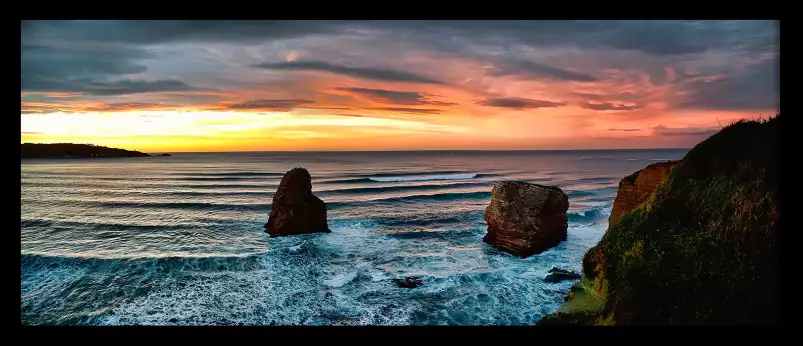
[{"x": 392, "y": 85}]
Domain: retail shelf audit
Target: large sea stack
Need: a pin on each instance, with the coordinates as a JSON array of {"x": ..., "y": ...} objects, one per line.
[
  {"x": 637, "y": 187},
  {"x": 703, "y": 247},
  {"x": 295, "y": 209},
  {"x": 525, "y": 219}
]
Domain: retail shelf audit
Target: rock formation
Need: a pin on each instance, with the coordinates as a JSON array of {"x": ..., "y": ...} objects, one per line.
[
  {"x": 558, "y": 275},
  {"x": 637, "y": 187},
  {"x": 702, "y": 250},
  {"x": 525, "y": 219},
  {"x": 295, "y": 209},
  {"x": 410, "y": 282}
]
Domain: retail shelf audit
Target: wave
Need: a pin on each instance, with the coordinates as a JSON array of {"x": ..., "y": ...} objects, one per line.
[
  {"x": 445, "y": 196},
  {"x": 597, "y": 158},
  {"x": 588, "y": 180},
  {"x": 343, "y": 181},
  {"x": 114, "y": 227},
  {"x": 187, "y": 205},
  {"x": 585, "y": 216},
  {"x": 405, "y": 174},
  {"x": 72, "y": 184},
  {"x": 396, "y": 188},
  {"x": 580, "y": 193},
  {"x": 424, "y": 177},
  {"x": 234, "y": 174}
]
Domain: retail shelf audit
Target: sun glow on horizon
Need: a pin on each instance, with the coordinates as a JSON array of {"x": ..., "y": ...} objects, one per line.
[{"x": 352, "y": 85}]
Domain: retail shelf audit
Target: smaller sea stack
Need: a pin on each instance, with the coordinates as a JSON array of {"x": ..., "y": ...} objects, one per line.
[
  {"x": 295, "y": 209},
  {"x": 525, "y": 219},
  {"x": 637, "y": 187}
]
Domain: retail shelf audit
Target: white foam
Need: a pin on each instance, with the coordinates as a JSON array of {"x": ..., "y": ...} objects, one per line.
[
  {"x": 340, "y": 279},
  {"x": 297, "y": 247},
  {"x": 425, "y": 177}
]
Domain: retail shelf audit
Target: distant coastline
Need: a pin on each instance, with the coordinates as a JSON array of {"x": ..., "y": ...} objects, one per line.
[{"x": 70, "y": 150}]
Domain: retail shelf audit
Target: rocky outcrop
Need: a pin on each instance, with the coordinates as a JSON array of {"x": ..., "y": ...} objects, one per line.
[
  {"x": 558, "y": 275},
  {"x": 703, "y": 249},
  {"x": 295, "y": 209},
  {"x": 525, "y": 219},
  {"x": 636, "y": 188},
  {"x": 410, "y": 282}
]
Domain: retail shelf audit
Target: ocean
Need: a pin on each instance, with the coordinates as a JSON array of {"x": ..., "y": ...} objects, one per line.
[{"x": 180, "y": 240}]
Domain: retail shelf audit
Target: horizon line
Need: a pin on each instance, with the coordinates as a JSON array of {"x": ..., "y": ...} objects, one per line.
[{"x": 412, "y": 150}]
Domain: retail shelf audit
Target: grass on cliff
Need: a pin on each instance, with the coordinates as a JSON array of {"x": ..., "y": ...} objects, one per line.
[{"x": 703, "y": 249}]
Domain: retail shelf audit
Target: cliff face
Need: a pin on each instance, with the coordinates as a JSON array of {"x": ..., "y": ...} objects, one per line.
[
  {"x": 702, "y": 250},
  {"x": 636, "y": 188},
  {"x": 526, "y": 219}
]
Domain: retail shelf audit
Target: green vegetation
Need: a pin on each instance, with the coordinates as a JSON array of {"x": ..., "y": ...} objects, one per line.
[
  {"x": 702, "y": 250},
  {"x": 31, "y": 150}
]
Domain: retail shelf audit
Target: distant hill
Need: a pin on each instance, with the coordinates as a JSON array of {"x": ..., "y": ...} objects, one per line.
[{"x": 31, "y": 150}]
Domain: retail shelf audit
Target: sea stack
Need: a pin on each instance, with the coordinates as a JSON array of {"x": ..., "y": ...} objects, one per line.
[
  {"x": 295, "y": 209},
  {"x": 637, "y": 187},
  {"x": 525, "y": 219}
]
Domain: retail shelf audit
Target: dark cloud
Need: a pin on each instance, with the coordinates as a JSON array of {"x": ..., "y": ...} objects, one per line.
[
  {"x": 659, "y": 37},
  {"x": 757, "y": 88},
  {"x": 158, "y": 31},
  {"x": 358, "y": 72},
  {"x": 684, "y": 131},
  {"x": 409, "y": 110},
  {"x": 655, "y": 37},
  {"x": 78, "y": 62},
  {"x": 624, "y": 130},
  {"x": 270, "y": 105},
  {"x": 607, "y": 106},
  {"x": 123, "y": 106},
  {"x": 121, "y": 87},
  {"x": 519, "y": 103},
  {"x": 535, "y": 70},
  {"x": 624, "y": 96},
  {"x": 397, "y": 97},
  {"x": 87, "y": 70}
]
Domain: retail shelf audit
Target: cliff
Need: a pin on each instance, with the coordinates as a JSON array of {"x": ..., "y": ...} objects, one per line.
[
  {"x": 637, "y": 187},
  {"x": 703, "y": 249},
  {"x": 31, "y": 150}
]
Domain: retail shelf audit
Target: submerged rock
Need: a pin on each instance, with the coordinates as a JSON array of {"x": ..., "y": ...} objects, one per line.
[
  {"x": 295, "y": 209},
  {"x": 410, "y": 282},
  {"x": 637, "y": 187},
  {"x": 558, "y": 275},
  {"x": 525, "y": 219}
]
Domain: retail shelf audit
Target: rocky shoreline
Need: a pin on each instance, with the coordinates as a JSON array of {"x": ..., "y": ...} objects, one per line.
[{"x": 689, "y": 242}]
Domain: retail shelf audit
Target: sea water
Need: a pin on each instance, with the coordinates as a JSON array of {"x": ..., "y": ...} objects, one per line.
[{"x": 180, "y": 240}]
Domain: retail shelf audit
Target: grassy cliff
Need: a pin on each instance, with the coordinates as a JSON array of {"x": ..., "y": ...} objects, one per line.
[{"x": 703, "y": 249}]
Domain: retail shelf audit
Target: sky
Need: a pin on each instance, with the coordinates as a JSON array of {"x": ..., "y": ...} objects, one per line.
[{"x": 188, "y": 86}]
